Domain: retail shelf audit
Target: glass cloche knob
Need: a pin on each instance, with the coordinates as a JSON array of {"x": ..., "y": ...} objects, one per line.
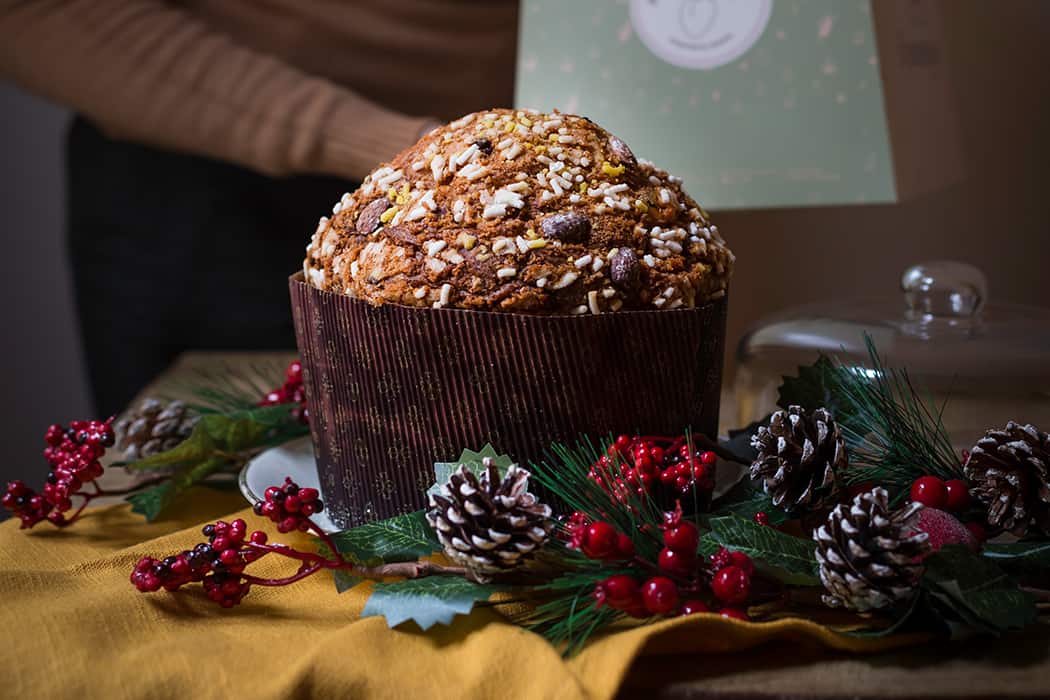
[{"x": 943, "y": 289}]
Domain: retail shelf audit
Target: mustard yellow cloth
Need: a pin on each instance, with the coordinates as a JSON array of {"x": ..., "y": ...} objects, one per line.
[{"x": 75, "y": 626}]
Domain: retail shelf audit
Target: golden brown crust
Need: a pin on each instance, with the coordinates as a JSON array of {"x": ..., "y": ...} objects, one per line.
[{"x": 524, "y": 212}]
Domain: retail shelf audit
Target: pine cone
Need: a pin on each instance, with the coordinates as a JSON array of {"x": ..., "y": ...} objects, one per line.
[
  {"x": 868, "y": 555},
  {"x": 798, "y": 457},
  {"x": 1008, "y": 471},
  {"x": 153, "y": 427},
  {"x": 487, "y": 525}
]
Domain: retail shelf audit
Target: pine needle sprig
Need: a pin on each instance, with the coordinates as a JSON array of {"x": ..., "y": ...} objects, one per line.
[
  {"x": 230, "y": 387},
  {"x": 570, "y": 617},
  {"x": 894, "y": 432}
]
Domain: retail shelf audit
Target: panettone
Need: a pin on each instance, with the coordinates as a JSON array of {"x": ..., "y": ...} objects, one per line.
[{"x": 524, "y": 212}]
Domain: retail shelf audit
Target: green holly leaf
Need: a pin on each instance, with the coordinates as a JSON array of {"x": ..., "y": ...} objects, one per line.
[
  {"x": 344, "y": 580},
  {"x": 812, "y": 388},
  {"x": 471, "y": 460},
  {"x": 973, "y": 590},
  {"x": 426, "y": 601},
  {"x": 401, "y": 538},
  {"x": 1019, "y": 557},
  {"x": 744, "y": 500},
  {"x": 151, "y": 502},
  {"x": 787, "y": 558}
]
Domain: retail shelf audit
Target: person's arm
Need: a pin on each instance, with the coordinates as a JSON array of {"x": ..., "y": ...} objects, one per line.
[{"x": 145, "y": 71}]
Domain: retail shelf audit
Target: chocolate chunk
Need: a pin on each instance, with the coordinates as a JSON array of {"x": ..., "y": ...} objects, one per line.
[
  {"x": 401, "y": 235},
  {"x": 621, "y": 152},
  {"x": 570, "y": 227},
  {"x": 625, "y": 270},
  {"x": 368, "y": 218},
  {"x": 484, "y": 145}
]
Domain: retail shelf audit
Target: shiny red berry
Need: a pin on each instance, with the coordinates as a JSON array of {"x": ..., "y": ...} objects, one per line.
[
  {"x": 692, "y": 607},
  {"x": 731, "y": 585},
  {"x": 929, "y": 491},
  {"x": 619, "y": 592},
  {"x": 599, "y": 540},
  {"x": 659, "y": 595},
  {"x": 230, "y": 557},
  {"x": 957, "y": 496},
  {"x": 743, "y": 561},
  {"x": 54, "y": 435},
  {"x": 258, "y": 537},
  {"x": 294, "y": 372},
  {"x": 708, "y": 458},
  {"x": 623, "y": 443},
  {"x": 762, "y": 518},
  {"x": 734, "y": 614},
  {"x": 676, "y": 562},
  {"x": 683, "y": 537},
  {"x": 624, "y": 547}
]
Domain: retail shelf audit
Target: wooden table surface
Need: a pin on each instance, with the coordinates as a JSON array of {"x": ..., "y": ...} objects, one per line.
[{"x": 1016, "y": 665}]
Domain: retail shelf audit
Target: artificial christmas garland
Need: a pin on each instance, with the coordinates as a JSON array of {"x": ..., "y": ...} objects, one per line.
[{"x": 851, "y": 492}]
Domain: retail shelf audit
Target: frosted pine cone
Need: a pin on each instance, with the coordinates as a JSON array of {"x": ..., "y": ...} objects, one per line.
[
  {"x": 868, "y": 554},
  {"x": 488, "y": 525},
  {"x": 799, "y": 455},
  {"x": 1008, "y": 472}
]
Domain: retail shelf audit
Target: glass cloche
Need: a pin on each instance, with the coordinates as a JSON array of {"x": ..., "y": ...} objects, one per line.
[{"x": 990, "y": 361}]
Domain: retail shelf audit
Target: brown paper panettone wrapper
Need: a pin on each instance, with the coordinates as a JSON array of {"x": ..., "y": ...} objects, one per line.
[{"x": 394, "y": 389}]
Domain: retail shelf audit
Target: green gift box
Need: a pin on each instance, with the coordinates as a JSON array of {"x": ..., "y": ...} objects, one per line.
[{"x": 755, "y": 103}]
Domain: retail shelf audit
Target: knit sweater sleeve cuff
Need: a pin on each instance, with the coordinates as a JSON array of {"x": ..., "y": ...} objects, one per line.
[{"x": 359, "y": 137}]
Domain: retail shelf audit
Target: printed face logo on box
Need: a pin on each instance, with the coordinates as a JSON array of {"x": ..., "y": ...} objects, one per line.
[{"x": 699, "y": 34}]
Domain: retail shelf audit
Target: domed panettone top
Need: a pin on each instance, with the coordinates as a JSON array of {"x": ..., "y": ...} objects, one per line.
[{"x": 524, "y": 212}]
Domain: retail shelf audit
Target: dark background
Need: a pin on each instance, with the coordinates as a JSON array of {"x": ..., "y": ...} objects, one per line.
[{"x": 997, "y": 218}]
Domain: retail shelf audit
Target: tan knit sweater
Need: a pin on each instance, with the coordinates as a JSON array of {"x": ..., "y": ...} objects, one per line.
[{"x": 281, "y": 86}]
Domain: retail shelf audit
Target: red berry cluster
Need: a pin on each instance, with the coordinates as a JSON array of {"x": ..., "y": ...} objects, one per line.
[
  {"x": 599, "y": 540},
  {"x": 680, "y": 575},
  {"x": 292, "y": 391},
  {"x": 289, "y": 506},
  {"x": 218, "y": 564},
  {"x": 731, "y": 582},
  {"x": 952, "y": 495},
  {"x": 648, "y": 464},
  {"x": 73, "y": 452},
  {"x": 657, "y": 595}
]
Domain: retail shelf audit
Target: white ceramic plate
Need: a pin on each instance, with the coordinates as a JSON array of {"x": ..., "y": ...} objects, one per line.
[{"x": 296, "y": 459}]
